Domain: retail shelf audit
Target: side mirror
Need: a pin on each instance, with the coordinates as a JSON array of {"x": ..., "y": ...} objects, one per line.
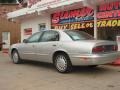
[
  {"x": 3, "y": 43},
  {"x": 25, "y": 41}
]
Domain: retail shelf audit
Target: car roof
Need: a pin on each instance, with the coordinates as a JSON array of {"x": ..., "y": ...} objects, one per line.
[
  {"x": 58, "y": 30},
  {"x": 55, "y": 29}
]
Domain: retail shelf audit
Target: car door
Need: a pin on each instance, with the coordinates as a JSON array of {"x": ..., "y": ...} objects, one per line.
[
  {"x": 28, "y": 48},
  {"x": 47, "y": 45}
]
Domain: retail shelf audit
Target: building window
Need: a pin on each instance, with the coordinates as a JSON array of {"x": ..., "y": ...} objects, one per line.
[{"x": 42, "y": 26}]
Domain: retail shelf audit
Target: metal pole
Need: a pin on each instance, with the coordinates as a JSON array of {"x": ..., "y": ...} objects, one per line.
[{"x": 95, "y": 23}]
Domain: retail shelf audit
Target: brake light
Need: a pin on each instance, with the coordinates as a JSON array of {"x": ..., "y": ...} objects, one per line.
[
  {"x": 105, "y": 48},
  {"x": 98, "y": 49}
]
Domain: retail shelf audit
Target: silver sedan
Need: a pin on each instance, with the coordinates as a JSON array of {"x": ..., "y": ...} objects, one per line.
[{"x": 65, "y": 49}]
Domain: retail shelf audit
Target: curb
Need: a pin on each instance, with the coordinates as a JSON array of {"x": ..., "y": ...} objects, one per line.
[
  {"x": 117, "y": 62},
  {"x": 6, "y": 51}
]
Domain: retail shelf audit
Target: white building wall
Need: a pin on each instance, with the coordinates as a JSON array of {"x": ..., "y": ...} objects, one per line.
[{"x": 34, "y": 24}]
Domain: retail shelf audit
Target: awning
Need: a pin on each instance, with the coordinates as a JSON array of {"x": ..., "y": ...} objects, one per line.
[
  {"x": 17, "y": 13},
  {"x": 41, "y": 6},
  {"x": 52, "y": 4}
]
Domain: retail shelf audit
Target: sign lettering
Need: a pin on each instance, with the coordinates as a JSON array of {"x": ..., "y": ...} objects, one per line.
[
  {"x": 74, "y": 26},
  {"x": 109, "y": 11},
  {"x": 108, "y": 23},
  {"x": 73, "y": 19},
  {"x": 108, "y": 16}
]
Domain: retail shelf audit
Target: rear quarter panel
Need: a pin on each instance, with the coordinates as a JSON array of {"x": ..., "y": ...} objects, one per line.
[{"x": 75, "y": 48}]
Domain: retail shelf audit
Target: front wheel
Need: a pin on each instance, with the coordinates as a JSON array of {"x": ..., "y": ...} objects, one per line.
[
  {"x": 93, "y": 66},
  {"x": 62, "y": 63},
  {"x": 15, "y": 57}
]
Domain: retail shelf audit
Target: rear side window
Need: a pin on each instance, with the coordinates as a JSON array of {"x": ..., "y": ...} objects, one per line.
[
  {"x": 49, "y": 36},
  {"x": 78, "y": 35}
]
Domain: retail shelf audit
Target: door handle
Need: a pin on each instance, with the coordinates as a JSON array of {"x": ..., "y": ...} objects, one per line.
[
  {"x": 54, "y": 45},
  {"x": 33, "y": 46}
]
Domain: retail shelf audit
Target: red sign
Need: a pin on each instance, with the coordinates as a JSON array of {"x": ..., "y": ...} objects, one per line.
[
  {"x": 28, "y": 31},
  {"x": 108, "y": 15},
  {"x": 109, "y": 11},
  {"x": 73, "y": 18}
]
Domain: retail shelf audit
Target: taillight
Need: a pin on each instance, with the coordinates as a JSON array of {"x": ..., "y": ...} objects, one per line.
[
  {"x": 115, "y": 48},
  {"x": 105, "y": 48},
  {"x": 98, "y": 49}
]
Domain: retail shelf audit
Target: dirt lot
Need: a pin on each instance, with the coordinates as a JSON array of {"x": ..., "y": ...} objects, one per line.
[{"x": 39, "y": 76}]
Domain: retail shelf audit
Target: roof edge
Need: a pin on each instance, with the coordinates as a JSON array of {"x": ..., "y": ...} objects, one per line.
[{"x": 9, "y": 4}]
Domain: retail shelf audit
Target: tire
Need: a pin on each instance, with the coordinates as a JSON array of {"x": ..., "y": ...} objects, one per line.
[
  {"x": 93, "y": 66},
  {"x": 62, "y": 63},
  {"x": 15, "y": 57}
]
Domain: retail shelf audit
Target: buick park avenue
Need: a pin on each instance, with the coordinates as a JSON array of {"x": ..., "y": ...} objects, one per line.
[{"x": 64, "y": 49}]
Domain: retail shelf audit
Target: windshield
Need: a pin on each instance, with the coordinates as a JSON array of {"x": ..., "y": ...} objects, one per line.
[{"x": 78, "y": 35}]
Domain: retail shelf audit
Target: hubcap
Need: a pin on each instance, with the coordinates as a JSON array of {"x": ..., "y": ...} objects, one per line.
[
  {"x": 15, "y": 57},
  {"x": 61, "y": 63}
]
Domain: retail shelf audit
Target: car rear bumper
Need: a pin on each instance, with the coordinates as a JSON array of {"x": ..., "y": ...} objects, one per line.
[{"x": 94, "y": 59}]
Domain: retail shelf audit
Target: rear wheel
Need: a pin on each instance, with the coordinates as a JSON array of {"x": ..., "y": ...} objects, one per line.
[
  {"x": 15, "y": 57},
  {"x": 93, "y": 66},
  {"x": 62, "y": 63}
]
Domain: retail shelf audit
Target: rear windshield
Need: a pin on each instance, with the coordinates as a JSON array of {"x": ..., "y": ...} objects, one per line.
[{"x": 78, "y": 35}]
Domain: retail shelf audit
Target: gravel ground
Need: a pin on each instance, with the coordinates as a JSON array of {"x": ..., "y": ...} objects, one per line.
[{"x": 41, "y": 76}]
